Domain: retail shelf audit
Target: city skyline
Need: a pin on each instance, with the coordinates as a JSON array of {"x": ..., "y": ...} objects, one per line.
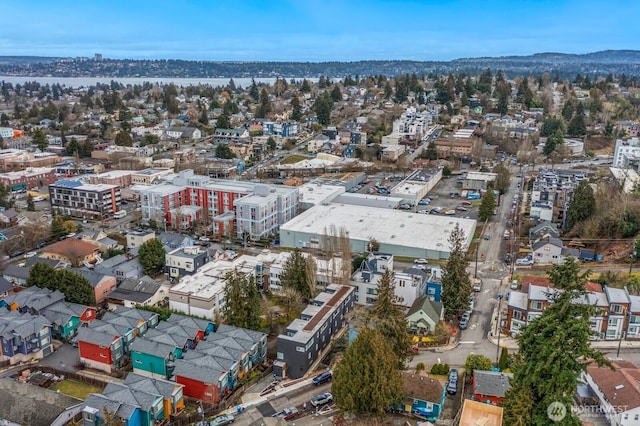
[{"x": 349, "y": 30}]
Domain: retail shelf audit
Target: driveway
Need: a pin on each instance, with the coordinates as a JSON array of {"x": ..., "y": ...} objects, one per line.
[{"x": 64, "y": 358}]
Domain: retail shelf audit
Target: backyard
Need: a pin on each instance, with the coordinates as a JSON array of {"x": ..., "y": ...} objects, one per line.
[{"x": 75, "y": 389}]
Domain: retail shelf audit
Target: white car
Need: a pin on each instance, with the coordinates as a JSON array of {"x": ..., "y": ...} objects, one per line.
[
  {"x": 420, "y": 261},
  {"x": 30, "y": 254},
  {"x": 204, "y": 239},
  {"x": 525, "y": 261},
  {"x": 38, "y": 198},
  {"x": 450, "y": 212}
]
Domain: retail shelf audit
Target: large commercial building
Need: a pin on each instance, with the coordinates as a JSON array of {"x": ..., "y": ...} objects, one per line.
[
  {"x": 77, "y": 199},
  {"x": 398, "y": 232},
  {"x": 417, "y": 185},
  {"x": 30, "y": 178}
]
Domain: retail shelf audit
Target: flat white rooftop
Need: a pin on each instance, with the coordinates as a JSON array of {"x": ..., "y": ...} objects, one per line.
[
  {"x": 388, "y": 226},
  {"x": 313, "y": 193},
  {"x": 488, "y": 177}
]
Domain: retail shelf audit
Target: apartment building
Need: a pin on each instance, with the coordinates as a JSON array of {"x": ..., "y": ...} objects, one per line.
[
  {"x": 217, "y": 204},
  {"x": 149, "y": 176},
  {"x": 185, "y": 261},
  {"x": 627, "y": 154},
  {"x": 305, "y": 338},
  {"x": 121, "y": 178},
  {"x": 617, "y": 316},
  {"x": 82, "y": 200}
]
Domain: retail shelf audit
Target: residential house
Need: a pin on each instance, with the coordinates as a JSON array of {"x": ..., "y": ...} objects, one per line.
[
  {"x": 136, "y": 319},
  {"x": 32, "y": 300},
  {"x": 6, "y": 288},
  {"x": 150, "y": 406},
  {"x": 408, "y": 286},
  {"x": 65, "y": 318},
  {"x": 154, "y": 359},
  {"x": 72, "y": 251},
  {"x": 424, "y": 315},
  {"x": 549, "y": 251},
  {"x": 174, "y": 241},
  {"x": 618, "y": 312},
  {"x": 100, "y": 350},
  {"x": 93, "y": 412},
  {"x": 16, "y": 275},
  {"x": 490, "y": 386},
  {"x": 254, "y": 341},
  {"x": 201, "y": 381},
  {"x": 543, "y": 230},
  {"x": 102, "y": 284},
  {"x": 144, "y": 291},
  {"x": 125, "y": 331},
  {"x": 185, "y": 261},
  {"x": 24, "y": 337},
  {"x": 617, "y": 391},
  {"x": 187, "y": 133},
  {"x": 229, "y": 136},
  {"x": 305, "y": 338},
  {"x": 136, "y": 238},
  {"x": 475, "y": 413},
  {"x": 121, "y": 266},
  {"x": 8, "y": 218},
  {"x": 424, "y": 396},
  {"x": 633, "y": 329},
  {"x": 228, "y": 359},
  {"x": 99, "y": 238},
  {"x": 171, "y": 392}
]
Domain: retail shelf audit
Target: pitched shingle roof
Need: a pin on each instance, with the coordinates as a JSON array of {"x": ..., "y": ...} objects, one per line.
[
  {"x": 96, "y": 337},
  {"x": 149, "y": 347},
  {"x": 123, "y": 393},
  {"x": 422, "y": 388},
  {"x": 491, "y": 383},
  {"x": 72, "y": 248},
  {"x": 164, "y": 388},
  {"x": 196, "y": 372},
  {"x": 24, "y": 325}
]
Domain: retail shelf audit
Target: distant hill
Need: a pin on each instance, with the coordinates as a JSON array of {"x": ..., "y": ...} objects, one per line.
[{"x": 565, "y": 64}]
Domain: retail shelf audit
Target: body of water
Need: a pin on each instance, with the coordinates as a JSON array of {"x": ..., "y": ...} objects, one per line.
[{"x": 92, "y": 81}]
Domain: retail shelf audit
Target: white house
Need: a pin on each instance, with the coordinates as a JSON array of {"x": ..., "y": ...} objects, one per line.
[
  {"x": 548, "y": 251},
  {"x": 617, "y": 391}
]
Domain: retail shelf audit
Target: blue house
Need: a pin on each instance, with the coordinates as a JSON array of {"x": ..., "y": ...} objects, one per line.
[
  {"x": 96, "y": 404},
  {"x": 424, "y": 396},
  {"x": 151, "y": 406},
  {"x": 24, "y": 336}
]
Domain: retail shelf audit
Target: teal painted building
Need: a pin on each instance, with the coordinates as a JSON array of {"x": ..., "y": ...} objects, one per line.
[
  {"x": 424, "y": 396},
  {"x": 153, "y": 359}
]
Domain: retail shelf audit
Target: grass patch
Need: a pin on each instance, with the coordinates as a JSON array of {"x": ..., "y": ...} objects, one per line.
[
  {"x": 75, "y": 389},
  {"x": 294, "y": 159}
]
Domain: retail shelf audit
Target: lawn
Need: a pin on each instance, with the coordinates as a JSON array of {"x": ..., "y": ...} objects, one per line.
[
  {"x": 294, "y": 159},
  {"x": 75, "y": 389}
]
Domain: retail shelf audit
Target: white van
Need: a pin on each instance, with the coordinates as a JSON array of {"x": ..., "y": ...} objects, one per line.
[{"x": 120, "y": 214}]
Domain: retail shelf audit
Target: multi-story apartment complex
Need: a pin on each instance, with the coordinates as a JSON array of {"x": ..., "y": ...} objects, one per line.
[
  {"x": 122, "y": 178},
  {"x": 552, "y": 190},
  {"x": 185, "y": 261},
  {"x": 259, "y": 209},
  {"x": 627, "y": 154},
  {"x": 78, "y": 199},
  {"x": 306, "y": 337}
]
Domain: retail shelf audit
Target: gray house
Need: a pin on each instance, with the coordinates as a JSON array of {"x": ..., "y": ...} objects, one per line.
[
  {"x": 174, "y": 241},
  {"x": 185, "y": 261},
  {"x": 306, "y": 337},
  {"x": 122, "y": 267}
]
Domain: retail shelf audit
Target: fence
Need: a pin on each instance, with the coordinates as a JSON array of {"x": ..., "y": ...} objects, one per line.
[
  {"x": 69, "y": 375},
  {"x": 210, "y": 410}
]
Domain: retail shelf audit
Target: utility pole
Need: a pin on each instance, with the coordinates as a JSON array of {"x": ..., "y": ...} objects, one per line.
[{"x": 498, "y": 327}]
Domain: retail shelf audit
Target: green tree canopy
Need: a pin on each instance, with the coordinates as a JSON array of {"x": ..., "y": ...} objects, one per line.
[
  {"x": 388, "y": 317},
  {"x": 336, "y": 94},
  {"x": 552, "y": 351},
  {"x": 242, "y": 301},
  {"x": 264, "y": 107},
  {"x": 367, "y": 381},
  {"x": 295, "y": 274},
  {"x": 582, "y": 205},
  {"x": 322, "y": 107},
  {"x": 222, "y": 122},
  {"x": 456, "y": 284},
  {"x": 296, "y": 109},
  {"x": 123, "y": 138},
  {"x": 502, "y": 178},
  {"x": 39, "y": 139},
  {"x": 476, "y": 362},
  {"x": 577, "y": 125},
  {"x": 151, "y": 255},
  {"x": 253, "y": 91},
  {"x": 271, "y": 143},
  {"x": 431, "y": 153},
  {"x": 75, "y": 287},
  {"x": 223, "y": 151},
  {"x": 487, "y": 205},
  {"x": 31, "y": 206}
]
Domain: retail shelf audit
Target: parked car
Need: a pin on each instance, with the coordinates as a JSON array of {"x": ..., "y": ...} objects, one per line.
[
  {"x": 464, "y": 323},
  {"x": 477, "y": 284},
  {"x": 423, "y": 212},
  {"x": 322, "y": 378},
  {"x": 507, "y": 258},
  {"x": 453, "y": 375},
  {"x": 30, "y": 254},
  {"x": 462, "y": 209},
  {"x": 467, "y": 203},
  {"x": 321, "y": 399},
  {"x": 487, "y": 237},
  {"x": 288, "y": 413},
  {"x": 525, "y": 261},
  {"x": 420, "y": 261},
  {"x": 204, "y": 239},
  {"x": 514, "y": 285},
  {"x": 450, "y": 212},
  {"x": 423, "y": 203},
  {"x": 225, "y": 419},
  {"x": 452, "y": 387}
]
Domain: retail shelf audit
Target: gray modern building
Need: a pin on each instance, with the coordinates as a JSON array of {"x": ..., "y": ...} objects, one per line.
[
  {"x": 185, "y": 261},
  {"x": 306, "y": 337}
]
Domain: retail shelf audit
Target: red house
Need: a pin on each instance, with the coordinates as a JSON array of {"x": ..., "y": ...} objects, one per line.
[
  {"x": 99, "y": 350},
  {"x": 490, "y": 386},
  {"x": 200, "y": 381}
]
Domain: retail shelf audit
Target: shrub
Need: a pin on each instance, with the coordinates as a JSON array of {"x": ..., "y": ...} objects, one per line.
[
  {"x": 420, "y": 367},
  {"x": 440, "y": 369}
]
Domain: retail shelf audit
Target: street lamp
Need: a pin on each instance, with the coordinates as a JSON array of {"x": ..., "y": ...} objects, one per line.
[{"x": 498, "y": 326}]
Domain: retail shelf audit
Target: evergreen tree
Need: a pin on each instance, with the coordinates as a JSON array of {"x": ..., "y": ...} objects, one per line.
[
  {"x": 265, "y": 104},
  {"x": 503, "y": 362},
  {"x": 502, "y": 178},
  {"x": 271, "y": 143},
  {"x": 39, "y": 139},
  {"x": 503, "y": 104},
  {"x": 366, "y": 380},
  {"x": 253, "y": 91},
  {"x": 151, "y": 255},
  {"x": 306, "y": 86},
  {"x": 222, "y": 122},
  {"x": 123, "y": 138},
  {"x": 336, "y": 94},
  {"x": 75, "y": 287},
  {"x": 388, "y": 90},
  {"x": 554, "y": 349},
  {"x": 456, "y": 284},
  {"x": 431, "y": 153},
  {"x": 242, "y": 301},
  {"x": 296, "y": 109},
  {"x": 388, "y": 317},
  {"x": 582, "y": 205},
  {"x": 577, "y": 126},
  {"x": 31, "y": 206},
  {"x": 223, "y": 151},
  {"x": 487, "y": 205},
  {"x": 323, "y": 107},
  {"x": 551, "y": 125},
  {"x": 294, "y": 274}
]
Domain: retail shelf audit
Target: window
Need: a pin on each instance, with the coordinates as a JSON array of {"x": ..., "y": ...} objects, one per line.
[
  {"x": 280, "y": 356},
  {"x": 300, "y": 349},
  {"x": 616, "y": 308},
  {"x": 536, "y": 305}
]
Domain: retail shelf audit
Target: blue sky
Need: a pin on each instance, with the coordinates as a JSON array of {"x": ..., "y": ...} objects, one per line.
[{"x": 314, "y": 30}]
